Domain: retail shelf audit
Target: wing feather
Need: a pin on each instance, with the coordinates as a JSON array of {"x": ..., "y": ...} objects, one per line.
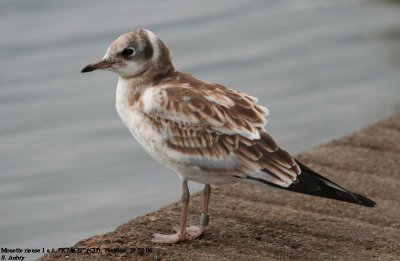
[{"x": 210, "y": 123}]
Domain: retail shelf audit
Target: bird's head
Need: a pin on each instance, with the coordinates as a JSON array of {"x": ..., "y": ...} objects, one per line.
[{"x": 133, "y": 54}]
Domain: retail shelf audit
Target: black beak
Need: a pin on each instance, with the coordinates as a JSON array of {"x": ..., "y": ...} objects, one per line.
[{"x": 103, "y": 64}]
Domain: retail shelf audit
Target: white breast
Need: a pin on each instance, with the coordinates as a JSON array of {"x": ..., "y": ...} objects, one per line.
[
  {"x": 121, "y": 102},
  {"x": 153, "y": 142},
  {"x": 134, "y": 118},
  {"x": 140, "y": 127}
]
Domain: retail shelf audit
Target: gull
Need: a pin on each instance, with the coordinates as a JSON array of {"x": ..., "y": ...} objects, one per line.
[{"x": 204, "y": 132}]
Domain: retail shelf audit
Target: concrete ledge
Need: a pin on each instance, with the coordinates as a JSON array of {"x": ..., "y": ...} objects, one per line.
[{"x": 249, "y": 223}]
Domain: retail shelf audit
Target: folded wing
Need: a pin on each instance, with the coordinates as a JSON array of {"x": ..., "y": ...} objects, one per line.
[{"x": 218, "y": 130}]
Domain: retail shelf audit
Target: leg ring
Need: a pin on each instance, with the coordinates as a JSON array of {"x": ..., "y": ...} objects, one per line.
[{"x": 204, "y": 218}]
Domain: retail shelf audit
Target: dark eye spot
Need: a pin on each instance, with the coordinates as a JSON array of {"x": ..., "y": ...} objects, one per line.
[{"x": 127, "y": 52}]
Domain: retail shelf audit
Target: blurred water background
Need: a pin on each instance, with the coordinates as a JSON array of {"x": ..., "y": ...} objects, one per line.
[{"x": 69, "y": 169}]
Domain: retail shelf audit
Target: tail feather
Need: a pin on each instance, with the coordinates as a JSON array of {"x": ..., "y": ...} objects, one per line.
[{"x": 311, "y": 183}]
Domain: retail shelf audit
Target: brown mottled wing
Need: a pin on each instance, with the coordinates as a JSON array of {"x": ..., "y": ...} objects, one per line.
[{"x": 219, "y": 130}]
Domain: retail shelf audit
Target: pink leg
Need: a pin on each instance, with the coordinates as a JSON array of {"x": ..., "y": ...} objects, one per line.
[
  {"x": 183, "y": 232},
  {"x": 180, "y": 235},
  {"x": 204, "y": 215},
  {"x": 196, "y": 231}
]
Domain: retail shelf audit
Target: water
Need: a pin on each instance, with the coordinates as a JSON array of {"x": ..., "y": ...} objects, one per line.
[{"x": 69, "y": 168}]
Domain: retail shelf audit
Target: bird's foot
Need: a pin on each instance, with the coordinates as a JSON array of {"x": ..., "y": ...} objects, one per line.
[
  {"x": 167, "y": 239},
  {"x": 192, "y": 232}
]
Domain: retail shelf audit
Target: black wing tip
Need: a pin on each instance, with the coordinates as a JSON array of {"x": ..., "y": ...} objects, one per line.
[
  {"x": 311, "y": 183},
  {"x": 349, "y": 197},
  {"x": 364, "y": 201},
  {"x": 341, "y": 195}
]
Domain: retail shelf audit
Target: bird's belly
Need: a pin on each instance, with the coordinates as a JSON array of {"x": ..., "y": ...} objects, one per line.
[
  {"x": 192, "y": 173},
  {"x": 153, "y": 143},
  {"x": 149, "y": 138},
  {"x": 146, "y": 135}
]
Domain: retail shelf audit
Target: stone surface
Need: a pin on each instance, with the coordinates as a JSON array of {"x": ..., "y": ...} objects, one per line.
[{"x": 252, "y": 223}]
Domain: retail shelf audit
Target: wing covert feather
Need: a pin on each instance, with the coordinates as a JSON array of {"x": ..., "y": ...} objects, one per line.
[{"x": 216, "y": 123}]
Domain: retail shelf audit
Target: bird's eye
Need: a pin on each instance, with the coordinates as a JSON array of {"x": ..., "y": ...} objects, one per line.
[{"x": 127, "y": 52}]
